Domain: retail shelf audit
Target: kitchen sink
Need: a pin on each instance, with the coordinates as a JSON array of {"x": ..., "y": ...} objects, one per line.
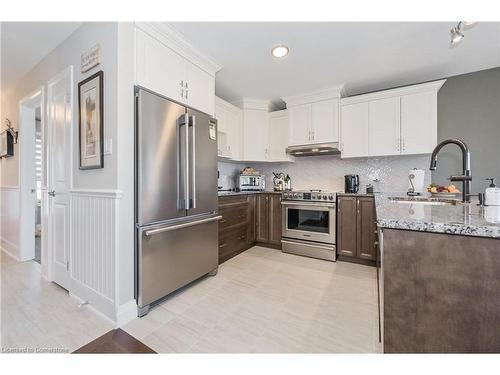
[{"x": 425, "y": 201}]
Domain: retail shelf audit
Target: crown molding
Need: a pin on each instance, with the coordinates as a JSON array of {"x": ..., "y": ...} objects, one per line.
[
  {"x": 251, "y": 103},
  {"x": 399, "y": 91},
  {"x": 174, "y": 40},
  {"x": 315, "y": 96},
  {"x": 226, "y": 105}
]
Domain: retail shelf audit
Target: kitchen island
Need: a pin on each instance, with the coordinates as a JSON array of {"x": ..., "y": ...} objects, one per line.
[{"x": 439, "y": 277}]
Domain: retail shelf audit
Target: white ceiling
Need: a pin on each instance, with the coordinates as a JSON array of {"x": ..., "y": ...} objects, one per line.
[
  {"x": 365, "y": 56},
  {"x": 24, "y": 44}
]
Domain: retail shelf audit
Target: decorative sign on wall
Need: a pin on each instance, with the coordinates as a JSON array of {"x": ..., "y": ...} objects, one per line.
[
  {"x": 91, "y": 118},
  {"x": 91, "y": 58}
]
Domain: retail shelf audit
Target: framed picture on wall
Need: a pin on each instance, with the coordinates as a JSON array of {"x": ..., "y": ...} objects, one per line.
[{"x": 91, "y": 124}]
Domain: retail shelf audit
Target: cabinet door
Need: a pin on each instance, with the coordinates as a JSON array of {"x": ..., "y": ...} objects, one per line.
[
  {"x": 251, "y": 230},
  {"x": 300, "y": 124},
  {"x": 278, "y": 136},
  {"x": 275, "y": 219},
  {"x": 384, "y": 127},
  {"x": 262, "y": 218},
  {"x": 159, "y": 69},
  {"x": 346, "y": 226},
  {"x": 200, "y": 89},
  {"x": 419, "y": 123},
  {"x": 354, "y": 130},
  {"x": 366, "y": 225},
  {"x": 325, "y": 121},
  {"x": 234, "y": 138},
  {"x": 255, "y": 135}
]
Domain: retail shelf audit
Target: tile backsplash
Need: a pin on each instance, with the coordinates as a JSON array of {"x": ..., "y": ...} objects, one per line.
[{"x": 387, "y": 174}]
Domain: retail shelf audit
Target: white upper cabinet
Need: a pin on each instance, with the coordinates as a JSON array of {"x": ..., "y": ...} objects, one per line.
[
  {"x": 399, "y": 121},
  {"x": 314, "y": 117},
  {"x": 300, "y": 124},
  {"x": 325, "y": 121},
  {"x": 170, "y": 66},
  {"x": 354, "y": 130},
  {"x": 229, "y": 123},
  {"x": 384, "y": 127},
  {"x": 255, "y": 135},
  {"x": 278, "y": 136},
  {"x": 419, "y": 123}
]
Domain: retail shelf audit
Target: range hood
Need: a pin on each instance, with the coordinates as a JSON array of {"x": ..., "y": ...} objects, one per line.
[{"x": 331, "y": 148}]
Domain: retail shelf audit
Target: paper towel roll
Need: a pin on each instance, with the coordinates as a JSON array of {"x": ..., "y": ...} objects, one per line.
[{"x": 418, "y": 180}]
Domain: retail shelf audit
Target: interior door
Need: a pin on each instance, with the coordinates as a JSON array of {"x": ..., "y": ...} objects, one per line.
[
  {"x": 161, "y": 152},
  {"x": 59, "y": 127},
  {"x": 202, "y": 163}
]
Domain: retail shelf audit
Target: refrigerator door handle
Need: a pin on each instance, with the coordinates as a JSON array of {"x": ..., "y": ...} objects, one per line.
[
  {"x": 179, "y": 226},
  {"x": 192, "y": 166},
  {"x": 183, "y": 162}
]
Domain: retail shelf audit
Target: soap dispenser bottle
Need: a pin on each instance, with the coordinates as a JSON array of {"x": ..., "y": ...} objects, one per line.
[{"x": 492, "y": 196}]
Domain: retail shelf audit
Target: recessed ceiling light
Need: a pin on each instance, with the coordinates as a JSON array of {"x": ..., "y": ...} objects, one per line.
[{"x": 280, "y": 51}]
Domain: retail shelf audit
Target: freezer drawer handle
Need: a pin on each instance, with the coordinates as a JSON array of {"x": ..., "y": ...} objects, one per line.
[{"x": 179, "y": 226}]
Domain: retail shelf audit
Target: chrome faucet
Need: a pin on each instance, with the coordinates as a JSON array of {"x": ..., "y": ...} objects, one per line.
[{"x": 466, "y": 177}]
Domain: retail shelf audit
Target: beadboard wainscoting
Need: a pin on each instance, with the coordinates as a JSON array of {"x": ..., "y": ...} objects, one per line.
[
  {"x": 9, "y": 220},
  {"x": 94, "y": 248}
]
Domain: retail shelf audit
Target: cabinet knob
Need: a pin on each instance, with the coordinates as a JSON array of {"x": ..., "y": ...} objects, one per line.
[{"x": 222, "y": 245}]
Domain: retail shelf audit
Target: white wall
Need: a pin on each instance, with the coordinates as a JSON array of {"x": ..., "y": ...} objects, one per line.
[{"x": 327, "y": 172}]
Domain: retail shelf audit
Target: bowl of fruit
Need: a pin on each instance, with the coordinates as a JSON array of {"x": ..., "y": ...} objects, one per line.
[{"x": 439, "y": 191}]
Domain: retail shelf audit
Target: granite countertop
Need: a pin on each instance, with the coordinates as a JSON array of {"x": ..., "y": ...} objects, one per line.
[
  {"x": 357, "y": 194},
  {"x": 229, "y": 193},
  {"x": 460, "y": 219}
]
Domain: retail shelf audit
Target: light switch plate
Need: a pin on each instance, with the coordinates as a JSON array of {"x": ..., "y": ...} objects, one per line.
[{"x": 108, "y": 146}]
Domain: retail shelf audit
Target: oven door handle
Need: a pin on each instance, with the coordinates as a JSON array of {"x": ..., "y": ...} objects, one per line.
[{"x": 309, "y": 204}]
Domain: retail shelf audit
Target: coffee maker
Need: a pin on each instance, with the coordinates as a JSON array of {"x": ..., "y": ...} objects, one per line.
[{"x": 351, "y": 183}]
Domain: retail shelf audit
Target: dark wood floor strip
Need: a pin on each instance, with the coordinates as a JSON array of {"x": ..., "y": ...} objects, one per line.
[{"x": 115, "y": 342}]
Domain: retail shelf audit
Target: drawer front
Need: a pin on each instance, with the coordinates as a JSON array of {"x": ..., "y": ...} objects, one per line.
[{"x": 232, "y": 241}]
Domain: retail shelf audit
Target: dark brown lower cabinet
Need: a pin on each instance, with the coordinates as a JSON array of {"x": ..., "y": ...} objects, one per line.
[
  {"x": 268, "y": 220},
  {"x": 356, "y": 228},
  {"x": 248, "y": 219}
]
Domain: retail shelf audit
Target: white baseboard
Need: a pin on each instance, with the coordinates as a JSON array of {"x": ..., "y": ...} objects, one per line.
[
  {"x": 96, "y": 300},
  {"x": 126, "y": 312}
]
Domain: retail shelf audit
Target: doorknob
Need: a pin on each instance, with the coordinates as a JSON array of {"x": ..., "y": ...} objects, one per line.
[
  {"x": 52, "y": 193},
  {"x": 33, "y": 190}
]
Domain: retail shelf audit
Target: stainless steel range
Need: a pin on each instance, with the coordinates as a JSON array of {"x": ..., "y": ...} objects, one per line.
[{"x": 309, "y": 223}]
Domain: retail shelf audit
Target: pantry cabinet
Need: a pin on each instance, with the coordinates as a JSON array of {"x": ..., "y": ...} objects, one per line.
[
  {"x": 168, "y": 72},
  {"x": 390, "y": 122}
]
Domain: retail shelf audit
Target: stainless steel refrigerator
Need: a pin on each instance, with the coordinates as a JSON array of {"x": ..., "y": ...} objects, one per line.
[{"x": 175, "y": 197}]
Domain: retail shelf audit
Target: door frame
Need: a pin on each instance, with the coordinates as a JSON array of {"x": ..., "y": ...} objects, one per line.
[
  {"x": 67, "y": 72},
  {"x": 27, "y": 111}
]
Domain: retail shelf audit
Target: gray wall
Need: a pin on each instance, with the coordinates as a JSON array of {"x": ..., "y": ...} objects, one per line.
[{"x": 469, "y": 109}]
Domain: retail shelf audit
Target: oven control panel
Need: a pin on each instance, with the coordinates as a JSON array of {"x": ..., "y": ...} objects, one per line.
[{"x": 311, "y": 196}]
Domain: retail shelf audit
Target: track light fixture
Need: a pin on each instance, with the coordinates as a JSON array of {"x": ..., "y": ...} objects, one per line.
[{"x": 457, "y": 32}]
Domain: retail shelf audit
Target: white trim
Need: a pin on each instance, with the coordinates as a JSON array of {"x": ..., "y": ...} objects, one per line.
[
  {"x": 314, "y": 96},
  {"x": 27, "y": 175},
  {"x": 126, "y": 312},
  {"x": 174, "y": 40},
  {"x": 105, "y": 193},
  {"x": 252, "y": 103},
  {"x": 92, "y": 307},
  {"x": 400, "y": 91},
  {"x": 9, "y": 188},
  {"x": 101, "y": 303},
  {"x": 219, "y": 102},
  {"x": 13, "y": 256}
]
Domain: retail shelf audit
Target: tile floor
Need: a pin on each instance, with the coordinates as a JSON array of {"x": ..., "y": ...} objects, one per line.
[
  {"x": 265, "y": 301},
  {"x": 37, "y": 314}
]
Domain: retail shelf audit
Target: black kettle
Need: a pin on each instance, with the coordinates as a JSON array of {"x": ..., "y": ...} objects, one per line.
[{"x": 351, "y": 183}]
